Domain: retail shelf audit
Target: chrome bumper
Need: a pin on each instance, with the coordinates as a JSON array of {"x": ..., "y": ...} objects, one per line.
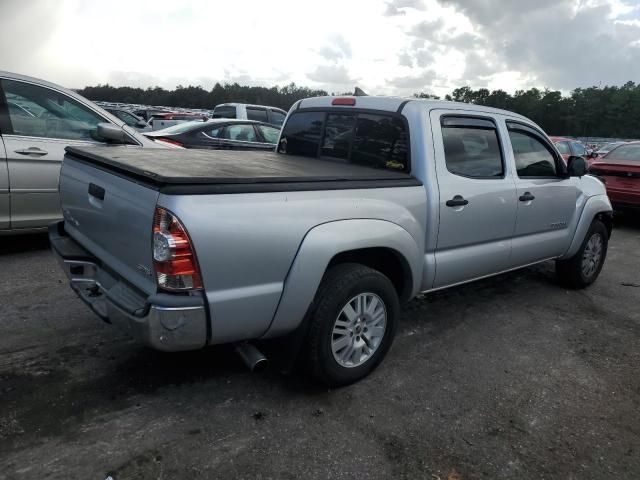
[{"x": 165, "y": 322}]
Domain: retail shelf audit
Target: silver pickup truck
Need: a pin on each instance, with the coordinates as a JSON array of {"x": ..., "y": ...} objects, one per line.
[{"x": 367, "y": 202}]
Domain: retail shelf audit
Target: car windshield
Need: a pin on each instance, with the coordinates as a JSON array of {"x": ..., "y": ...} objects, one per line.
[
  {"x": 181, "y": 127},
  {"x": 628, "y": 153}
]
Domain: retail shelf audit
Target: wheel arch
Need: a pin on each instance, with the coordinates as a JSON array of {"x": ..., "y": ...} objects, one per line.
[
  {"x": 374, "y": 243},
  {"x": 596, "y": 207}
]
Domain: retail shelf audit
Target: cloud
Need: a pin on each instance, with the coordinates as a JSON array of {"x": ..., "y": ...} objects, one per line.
[
  {"x": 419, "y": 81},
  {"x": 427, "y": 29},
  {"x": 337, "y": 48},
  {"x": 332, "y": 74},
  {"x": 553, "y": 42},
  {"x": 397, "y": 7}
]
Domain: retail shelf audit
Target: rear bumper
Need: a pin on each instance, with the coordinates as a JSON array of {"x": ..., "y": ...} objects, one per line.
[{"x": 163, "y": 321}]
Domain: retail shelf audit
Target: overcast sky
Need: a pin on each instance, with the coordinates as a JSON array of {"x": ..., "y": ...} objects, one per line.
[{"x": 385, "y": 47}]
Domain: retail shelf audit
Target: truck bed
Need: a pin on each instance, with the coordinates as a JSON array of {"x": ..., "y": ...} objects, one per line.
[{"x": 174, "y": 171}]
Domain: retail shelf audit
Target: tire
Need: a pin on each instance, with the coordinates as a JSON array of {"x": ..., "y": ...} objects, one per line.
[
  {"x": 331, "y": 327},
  {"x": 583, "y": 268}
]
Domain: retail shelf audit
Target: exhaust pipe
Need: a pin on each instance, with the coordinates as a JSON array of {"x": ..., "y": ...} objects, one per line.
[{"x": 252, "y": 357}]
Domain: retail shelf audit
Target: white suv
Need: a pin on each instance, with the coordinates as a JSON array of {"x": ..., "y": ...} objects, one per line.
[{"x": 245, "y": 111}]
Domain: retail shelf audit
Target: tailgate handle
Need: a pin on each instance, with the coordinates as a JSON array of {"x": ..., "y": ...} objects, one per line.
[{"x": 96, "y": 191}]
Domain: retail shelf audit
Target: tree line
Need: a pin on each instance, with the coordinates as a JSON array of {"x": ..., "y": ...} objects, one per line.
[{"x": 609, "y": 111}]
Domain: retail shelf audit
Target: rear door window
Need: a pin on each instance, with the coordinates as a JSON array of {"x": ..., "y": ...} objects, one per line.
[
  {"x": 242, "y": 133},
  {"x": 277, "y": 118},
  {"x": 270, "y": 134},
  {"x": 472, "y": 148},
  {"x": 374, "y": 140},
  {"x": 225, "y": 111},
  {"x": 259, "y": 114}
]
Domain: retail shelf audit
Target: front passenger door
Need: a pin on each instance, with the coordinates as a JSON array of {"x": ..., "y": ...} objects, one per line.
[
  {"x": 477, "y": 198},
  {"x": 546, "y": 198},
  {"x": 5, "y": 217},
  {"x": 42, "y": 122}
]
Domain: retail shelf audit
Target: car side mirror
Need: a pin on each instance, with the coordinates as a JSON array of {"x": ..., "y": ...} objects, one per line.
[
  {"x": 576, "y": 166},
  {"x": 593, "y": 154},
  {"x": 112, "y": 133},
  {"x": 141, "y": 124}
]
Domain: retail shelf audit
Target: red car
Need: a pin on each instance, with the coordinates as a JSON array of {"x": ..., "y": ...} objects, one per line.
[
  {"x": 569, "y": 147},
  {"x": 620, "y": 171}
]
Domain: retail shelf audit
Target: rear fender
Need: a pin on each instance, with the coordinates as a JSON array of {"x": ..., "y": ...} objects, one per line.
[{"x": 324, "y": 242}]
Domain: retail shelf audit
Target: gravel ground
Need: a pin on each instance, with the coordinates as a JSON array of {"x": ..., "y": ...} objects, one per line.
[{"x": 511, "y": 377}]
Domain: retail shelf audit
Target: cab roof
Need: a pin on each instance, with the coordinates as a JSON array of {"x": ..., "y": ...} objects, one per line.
[{"x": 393, "y": 104}]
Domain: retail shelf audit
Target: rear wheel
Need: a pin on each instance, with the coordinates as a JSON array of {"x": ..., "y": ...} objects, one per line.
[
  {"x": 583, "y": 268},
  {"x": 352, "y": 325}
]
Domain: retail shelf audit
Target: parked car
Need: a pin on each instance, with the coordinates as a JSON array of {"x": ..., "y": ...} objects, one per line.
[
  {"x": 37, "y": 121},
  {"x": 323, "y": 239},
  {"x": 147, "y": 113},
  {"x": 602, "y": 150},
  {"x": 569, "y": 147},
  {"x": 244, "y": 111},
  {"x": 130, "y": 119},
  {"x": 160, "y": 121},
  {"x": 620, "y": 171},
  {"x": 220, "y": 134}
]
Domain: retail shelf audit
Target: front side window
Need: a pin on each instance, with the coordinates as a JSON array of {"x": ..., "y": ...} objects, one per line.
[
  {"x": 563, "y": 148},
  {"x": 242, "y": 133},
  {"x": 628, "y": 153},
  {"x": 373, "y": 140},
  {"x": 42, "y": 112},
  {"x": 259, "y": 114},
  {"x": 270, "y": 134},
  {"x": 533, "y": 158},
  {"x": 277, "y": 118},
  {"x": 126, "y": 117},
  {"x": 471, "y": 148},
  {"x": 578, "y": 149}
]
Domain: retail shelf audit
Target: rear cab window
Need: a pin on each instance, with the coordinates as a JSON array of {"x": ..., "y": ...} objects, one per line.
[{"x": 377, "y": 140}]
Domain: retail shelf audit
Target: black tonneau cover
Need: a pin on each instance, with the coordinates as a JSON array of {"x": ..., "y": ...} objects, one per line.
[{"x": 177, "y": 171}]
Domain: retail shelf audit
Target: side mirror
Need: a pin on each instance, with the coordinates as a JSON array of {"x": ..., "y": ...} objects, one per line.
[
  {"x": 112, "y": 133},
  {"x": 593, "y": 154},
  {"x": 576, "y": 166},
  {"x": 141, "y": 124}
]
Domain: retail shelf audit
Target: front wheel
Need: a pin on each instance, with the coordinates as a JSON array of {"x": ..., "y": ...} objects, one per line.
[
  {"x": 583, "y": 268},
  {"x": 353, "y": 324}
]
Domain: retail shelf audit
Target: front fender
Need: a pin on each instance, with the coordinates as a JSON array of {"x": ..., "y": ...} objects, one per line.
[
  {"x": 320, "y": 245},
  {"x": 593, "y": 206}
]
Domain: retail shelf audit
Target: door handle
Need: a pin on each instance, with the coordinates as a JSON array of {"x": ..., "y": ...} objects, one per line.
[
  {"x": 31, "y": 151},
  {"x": 457, "y": 201},
  {"x": 527, "y": 197}
]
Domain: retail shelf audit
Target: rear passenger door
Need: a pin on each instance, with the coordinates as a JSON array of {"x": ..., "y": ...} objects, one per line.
[
  {"x": 477, "y": 198},
  {"x": 546, "y": 198}
]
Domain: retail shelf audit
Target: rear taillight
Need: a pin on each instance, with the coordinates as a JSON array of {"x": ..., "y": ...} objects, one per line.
[{"x": 174, "y": 259}]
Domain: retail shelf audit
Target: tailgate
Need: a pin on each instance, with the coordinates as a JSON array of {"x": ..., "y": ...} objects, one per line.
[{"x": 112, "y": 217}]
